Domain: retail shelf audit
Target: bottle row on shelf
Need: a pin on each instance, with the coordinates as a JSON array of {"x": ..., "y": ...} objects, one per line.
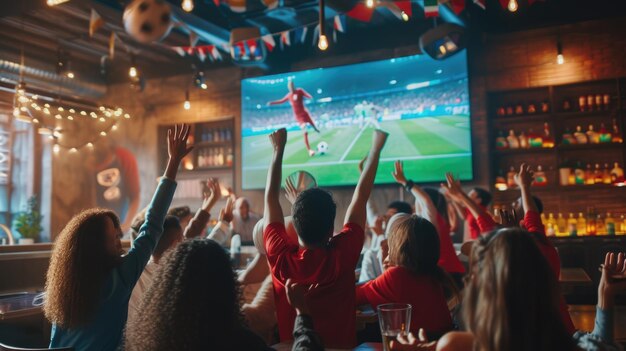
[
  {"x": 531, "y": 139},
  {"x": 590, "y": 225},
  {"x": 214, "y": 157},
  {"x": 576, "y": 175},
  {"x": 584, "y": 103},
  {"x": 214, "y": 135}
]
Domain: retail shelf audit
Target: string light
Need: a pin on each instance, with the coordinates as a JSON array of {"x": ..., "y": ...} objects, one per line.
[
  {"x": 56, "y": 148},
  {"x": 369, "y": 3},
  {"x": 512, "y": 6},
  {"x": 187, "y": 5},
  {"x": 103, "y": 133},
  {"x": 114, "y": 127},
  {"x": 322, "y": 44},
  {"x": 405, "y": 17},
  {"x": 90, "y": 145},
  {"x": 187, "y": 103},
  {"x": 55, "y": 2},
  {"x": 559, "y": 53},
  {"x": 102, "y": 119},
  {"x": 73, "y": 150}
]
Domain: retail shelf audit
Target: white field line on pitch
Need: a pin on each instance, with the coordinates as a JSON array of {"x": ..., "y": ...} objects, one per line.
[
  {"x": 405, "y": 158},
  {"x": 345, "y": 154}
]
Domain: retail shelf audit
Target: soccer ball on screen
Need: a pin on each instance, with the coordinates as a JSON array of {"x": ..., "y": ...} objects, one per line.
[
  {"x": 322, "y": 147},
  {"x": 148, "y": 20}
]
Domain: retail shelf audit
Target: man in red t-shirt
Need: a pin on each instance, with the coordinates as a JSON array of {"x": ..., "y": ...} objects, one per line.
[
  {"x": 480, "y": 197},
  {"x": 318, "y": 257},
  {"x": 301, "y": 114}
]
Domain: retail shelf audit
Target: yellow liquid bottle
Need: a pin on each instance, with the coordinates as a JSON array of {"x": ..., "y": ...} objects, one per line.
[
  {"x": 572, "y": 225},
  {"x": 581, "y": 225},
  {"x": 609, "y": 223},
  {"x": 551, "y": 227},
  {"x": 561, "y": 225}
]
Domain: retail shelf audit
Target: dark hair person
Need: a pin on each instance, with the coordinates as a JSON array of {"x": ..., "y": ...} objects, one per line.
[
  {"x": 195, "y": 305},
  {"x": 89, "y": 283},
  {"x": 413, "y": 275}
]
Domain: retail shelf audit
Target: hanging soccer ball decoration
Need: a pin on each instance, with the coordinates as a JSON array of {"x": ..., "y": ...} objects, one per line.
[{"x": 148, "y": 20}]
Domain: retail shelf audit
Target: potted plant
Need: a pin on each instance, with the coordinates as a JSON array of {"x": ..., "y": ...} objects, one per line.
[{"x": 28, "y": 223}]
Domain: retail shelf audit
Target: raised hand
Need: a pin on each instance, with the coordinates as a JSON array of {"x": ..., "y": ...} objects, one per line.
[
  {"x": 212, "y": 195},
  {"x": 525, "y": 177},
  {"x": 279, "y": 139},
  {"x": 378, "y": 140},
  {"x": 226, "y": 213},
  {"x": 398, "y": 173},
  {"x": 377, "y": 228},
  {"x": 452, "y": 188},
  {"x": 291, "y": 193},
  {"x": 177, "y": 149},
  {"x": 613, "y": 279},
  {"x": 297, "y": 296}
]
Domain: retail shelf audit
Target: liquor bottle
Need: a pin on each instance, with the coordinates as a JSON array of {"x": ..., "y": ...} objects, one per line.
[
  {"x": 567, "y": 105},
  {"x": 579, "y": 173},
  {"x": 606, "y": 174},
  {"x": 606, "y": 101},
  {"x": 509, "y": 110},
  {"x": 598, "y": 102},
  {"x": 590, "y": 102},
  {"x": 568, "y": 138},
  {"x": 617, "y": 174},
  {"x": 572, "y": 225},
  {"x": 229, "y": 157},
  {"x": 501, "y": 143},
  {"x": 216, "y": 135},
  {"x": 605, "y": 135},
  {"x": 540, "y": 177},
  {"x": 622, "y": 225},
  {"x": 510, "y": 178},
  {"x": 222, "y": 159},
  {"x": 534, "y": 139},
  {"x": 592, "y": 136},
  {"x": 496, "y": 214},
  {"x": 512, "y": 139},
  {"x": 589, "y": 177},
  {"x": 581, "y": 138},
  {"x": 561, "y": 225},
  {"x": 600, "y": 225},
  {"x": 610, "y": 224},
  {"x": 523, "y": 141},
  {"x": 591, "y": 221},
  {"x": 616, "y": 136},
  {"x": 545, "y": 106},
  {"x": 519, "y": 109},
  {"x": 209, "y": 135},
  {"x": 582, "y": 103},
  {"x": 544, "y": 220},
  {"x": 581, "y": 225},
  {"x": 598, "y": 177},
  {"x": 551, "y": 225},
  {"x": 548, "y": 139},
  {"x": 532, "y": 108}
]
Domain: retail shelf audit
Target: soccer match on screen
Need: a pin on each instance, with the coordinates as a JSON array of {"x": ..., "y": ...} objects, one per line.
[{"x": 330, "y": 114}]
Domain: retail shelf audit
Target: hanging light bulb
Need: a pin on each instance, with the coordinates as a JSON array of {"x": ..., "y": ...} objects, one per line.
[
  {"x": 114, "y": 127},
  {"x": 369, "y": 3},
  {"x": 103, "y": 133},
  {"x": 73, "y": 150},
  {"x": 90, "y": 145},
  {"x": 559, "y": 53},
  {"x": 70, "y": 75},
  {"x": 16, "y": 111},
  {"x": 56, "y": 148},
  {"x": 512, "y": 6},
  {"x": 132, "y": 72},
  {"x": 187, "y": 5},
  {"x": 187, "y": 104},
  {"x": 322, "y": 43},
  {"x": 55, "y": 2},
  {"x": 405, "y": 17}
]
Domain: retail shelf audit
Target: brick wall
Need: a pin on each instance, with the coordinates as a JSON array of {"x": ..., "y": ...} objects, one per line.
[{"x": 592, "y": 50}]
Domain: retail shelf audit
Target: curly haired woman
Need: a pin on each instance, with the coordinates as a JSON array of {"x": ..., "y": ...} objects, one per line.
[{"x": 89, "y": 282}]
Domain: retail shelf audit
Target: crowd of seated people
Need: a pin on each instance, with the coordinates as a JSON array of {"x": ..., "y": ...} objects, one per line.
[{"x": 176, "y": 288}]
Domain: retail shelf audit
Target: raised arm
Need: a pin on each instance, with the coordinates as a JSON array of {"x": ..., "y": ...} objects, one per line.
[
  {"x": 452, "y": 187},
  {"x": 199, "y": 222},
  {"x": 357, "y": 210},
  {"x": 273, "y": 212},
  {"x": 222, "y": 231},
  {"x": 524, "y": 179},
  {"x": 150, "y": 232},
  {"x": 306, "y": 94},
  {"x": 278, "y": 102},
  {"x": 423, "y": 205}
]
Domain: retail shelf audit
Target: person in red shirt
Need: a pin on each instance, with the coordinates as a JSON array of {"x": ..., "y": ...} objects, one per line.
[
  {"x": 480, "y": 197},
  {"x": 413, "y": 276},
  {"x": 472, "y": 204},
  {"x": 318, "y": 257},
  {"x": 296, "y": 100},
  {"x": 431, "y": 204}
]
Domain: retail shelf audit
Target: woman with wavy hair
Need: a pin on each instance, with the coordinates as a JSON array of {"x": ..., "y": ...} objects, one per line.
[
  {"x": 412, "y": 275},
  {"x": 89, "y": 282},
  {"x": 195, "y": 305}
]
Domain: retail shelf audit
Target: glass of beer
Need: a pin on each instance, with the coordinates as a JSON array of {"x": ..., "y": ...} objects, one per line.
[{"x": 394, "y": 319}]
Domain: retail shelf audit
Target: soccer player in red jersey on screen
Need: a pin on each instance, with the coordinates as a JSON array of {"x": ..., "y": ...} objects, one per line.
[{"x": 296, "y": 99}]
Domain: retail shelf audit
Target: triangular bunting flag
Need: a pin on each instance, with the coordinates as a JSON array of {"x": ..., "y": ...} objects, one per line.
[
  {"x": 316, "y": 34},
  {"x": 268, "y": 39},
  {"x": 457, "y": 6},
  {"x": 253, "y": 46},
  {"x": 305, "y": 30},
  {"x": 480, "y": 3},
  {"x": 338, "y": 23},
  {"x": 112, "y": 46},
  {"x": 406, "y": 7},
  {"x": 95, "y": 22},
  {"x": 201, "y": 54},
  {"x": 189, "y": 50},
  {"x": 193, "y": 38},
  {"x": 179, "y": 50},
  {"x": 431, "y": 8},
  {"x": 215, "y": 53},
  {"x": 361, "y": 12},
  {"x": 285, "y": 38}
]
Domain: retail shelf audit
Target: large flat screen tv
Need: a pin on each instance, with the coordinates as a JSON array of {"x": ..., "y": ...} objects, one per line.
[{"x": 330, "y": 115}]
